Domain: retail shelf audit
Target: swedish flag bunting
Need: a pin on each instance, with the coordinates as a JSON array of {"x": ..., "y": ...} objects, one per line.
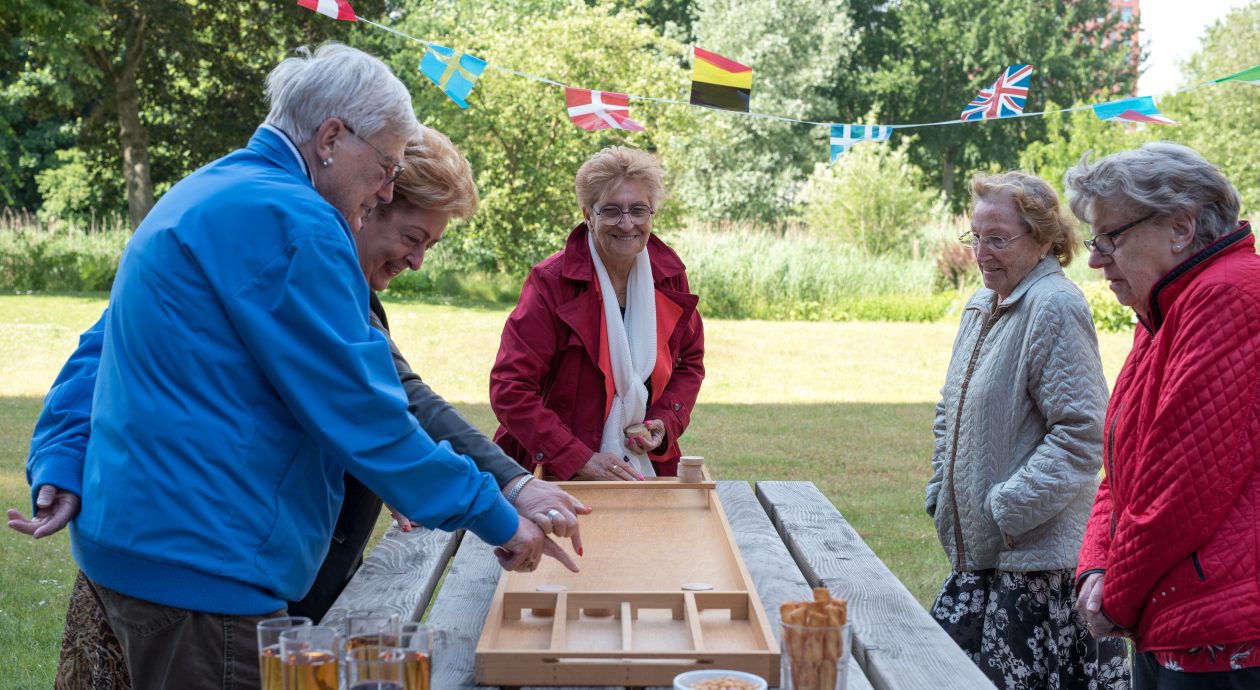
[
  {"x": 1003, "y": 98},
  {"x": 337, "y": 9},
  {"x": 453, "y": 71},
  {"x": 843, "y": 137},
  {"x": 594, "y": 110},
  {"x": 1140, "y": 109}
]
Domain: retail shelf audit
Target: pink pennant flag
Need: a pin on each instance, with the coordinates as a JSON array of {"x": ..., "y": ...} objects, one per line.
[
  {"x": 337, "y": 9},
  {"x": 593, "y": 110}
]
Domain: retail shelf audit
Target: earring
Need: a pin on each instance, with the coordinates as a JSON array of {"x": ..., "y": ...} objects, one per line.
[{"x": 327, "y": 162}]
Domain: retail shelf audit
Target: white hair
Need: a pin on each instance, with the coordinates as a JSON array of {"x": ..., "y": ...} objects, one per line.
[
  {"x": 1159, "y": 176},
  {"x": 343, "y": 82}
]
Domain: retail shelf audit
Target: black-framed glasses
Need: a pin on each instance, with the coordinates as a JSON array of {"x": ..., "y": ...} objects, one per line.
[
  {"x": 394, "y": 166},
  {"x": 995, "y": 243},
  {"x": 1105, "y": 242},
  {"x": 612, "y": 215}
]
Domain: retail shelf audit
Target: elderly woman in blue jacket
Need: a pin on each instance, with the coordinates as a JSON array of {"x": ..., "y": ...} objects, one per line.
[{"x": 239, "y": 379}]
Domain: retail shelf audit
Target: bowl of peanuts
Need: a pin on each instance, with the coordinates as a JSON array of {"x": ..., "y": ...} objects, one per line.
[{"x": 714, "y": 679}]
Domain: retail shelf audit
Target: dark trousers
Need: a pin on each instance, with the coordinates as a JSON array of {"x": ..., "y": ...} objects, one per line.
[
  {"x": 168, "y": 647},
  {"x": 1149, "y": 675}
]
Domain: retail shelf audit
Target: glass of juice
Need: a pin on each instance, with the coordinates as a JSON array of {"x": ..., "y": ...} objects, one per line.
[
  {"x": 309, "y": 658},
  {"x": 416, "y": 643},
  {"x": 374, "y": 667},
  {"x": 378, "y": 627},
  {"x": 269, "y": 647}
]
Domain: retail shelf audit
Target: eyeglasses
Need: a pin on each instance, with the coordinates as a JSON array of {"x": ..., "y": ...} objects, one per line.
[
  {"x": 995, "y": 243},
  {"x": 394, "y": 168},
  {"x": 1105, "y": 242},
  {"x": 611, "y": 215}
]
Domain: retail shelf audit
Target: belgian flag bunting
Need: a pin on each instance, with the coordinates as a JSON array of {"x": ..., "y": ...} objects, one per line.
[{"x": 718, "y": 82}]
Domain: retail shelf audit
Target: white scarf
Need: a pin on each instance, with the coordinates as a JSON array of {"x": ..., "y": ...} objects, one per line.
[{"x": 631, "y": 351}]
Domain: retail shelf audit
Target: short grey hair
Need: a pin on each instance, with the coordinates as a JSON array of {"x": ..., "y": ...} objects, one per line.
[
  {"x": 339, "y": 81},
  {"x": 1159, "y": 176}
]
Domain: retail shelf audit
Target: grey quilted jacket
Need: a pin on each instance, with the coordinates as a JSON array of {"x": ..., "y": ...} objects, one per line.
[{"x": 1019, "y": 428}]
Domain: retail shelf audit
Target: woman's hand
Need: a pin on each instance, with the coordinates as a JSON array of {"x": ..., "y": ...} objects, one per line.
[
  {"x": 524, "y": 551},
  {"x": 403, "y": 523},
  {"x": 608, "y": 467},
  {"x": 645, "y": 437},
  {"x": 54, "y": 508},
  {"x": 553, "y": 510},
  {"x": 1089, "y": 605}
]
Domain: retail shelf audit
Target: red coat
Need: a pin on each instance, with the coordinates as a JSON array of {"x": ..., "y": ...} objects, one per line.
[
  {"x": 1175, "y": 525},
  {"x": 552, "y": 386}
]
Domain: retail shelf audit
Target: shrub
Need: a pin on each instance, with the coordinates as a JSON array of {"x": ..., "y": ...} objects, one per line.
[
  {"x": 872, "y": 199},
  {"x": 1109, "y": 315},
  {"x": 34, "y": 256}
]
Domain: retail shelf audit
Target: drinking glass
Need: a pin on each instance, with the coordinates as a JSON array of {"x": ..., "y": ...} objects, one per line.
[
  {"x": 417, "y": 647},
  {"x": 269, "y": 647},
  {"x": 378, "y": 627},
  {"x": 374, "y": 667},
  {"x": 309, "y": 658},
  {"x": 815, "y": 657}
]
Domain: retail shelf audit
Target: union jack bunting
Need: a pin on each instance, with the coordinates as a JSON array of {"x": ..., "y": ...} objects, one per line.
[
  {"x": 1003, "y": 98},
  {"x": 845, "y": 136},
  {"x": 594, "y": 110},
  {"x": 337, "y": 9}
]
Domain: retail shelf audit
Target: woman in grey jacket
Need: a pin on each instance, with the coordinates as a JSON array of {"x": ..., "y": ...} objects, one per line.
[{"x": 1018, "y": 436}]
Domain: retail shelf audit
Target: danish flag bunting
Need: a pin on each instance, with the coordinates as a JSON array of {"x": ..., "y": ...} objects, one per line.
[
  {"x": 1003, "y": 98},
  {"x": 337, "y": 9},
  {"x": 594, "y": 110}
]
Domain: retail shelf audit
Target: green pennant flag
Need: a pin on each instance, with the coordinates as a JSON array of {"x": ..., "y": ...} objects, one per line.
[{"x": 1250, "y": 75}]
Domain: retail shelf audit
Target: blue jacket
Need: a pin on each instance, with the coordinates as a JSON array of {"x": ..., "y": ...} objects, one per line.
[{"x": 239, "y": 379}]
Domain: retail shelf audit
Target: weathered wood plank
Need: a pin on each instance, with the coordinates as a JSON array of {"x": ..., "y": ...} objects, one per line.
[
  {"x": 401, "y": 573},
  {"x": 898, "y": 645},
  {"x": 774, "y": 572}
]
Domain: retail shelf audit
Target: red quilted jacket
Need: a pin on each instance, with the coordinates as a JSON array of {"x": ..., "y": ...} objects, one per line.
[
  {"x": 551, "y": 385},
  {"x": 1175, "y": 524}
]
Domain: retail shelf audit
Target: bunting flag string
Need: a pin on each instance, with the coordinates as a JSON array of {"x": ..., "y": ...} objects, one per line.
[
  {"x": 721, "y": 83},
  {"x": 1141, "y": 109}
]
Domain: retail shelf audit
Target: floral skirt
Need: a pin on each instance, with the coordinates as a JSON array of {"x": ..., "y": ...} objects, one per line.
[
  {"x": 1022, "y": 631},
  {"x": 91, "y": 656}
]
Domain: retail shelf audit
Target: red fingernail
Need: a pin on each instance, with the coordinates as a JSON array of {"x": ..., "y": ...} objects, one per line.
[
  {"x": 579, "y": 551},
  {"x": 406, "y": 528}
]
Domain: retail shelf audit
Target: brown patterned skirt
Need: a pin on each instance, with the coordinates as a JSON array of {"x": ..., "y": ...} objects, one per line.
[{"x": 91, "y": 656}]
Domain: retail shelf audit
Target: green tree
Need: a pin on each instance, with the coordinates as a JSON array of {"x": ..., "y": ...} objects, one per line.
[
  {"x": 872, "y": 198},
  {"x": 1068, "y": 136},
  {"x": 1222, "y": 121},
  {"x": 934, "y": 56},
  {"x": 516, "y": 132},
  {"x": 743, "y": 168},
  {"x": 149, "y": 89}
]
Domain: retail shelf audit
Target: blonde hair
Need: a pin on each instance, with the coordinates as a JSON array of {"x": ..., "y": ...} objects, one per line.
[
  {"x": 614, "y": 165},
  {"x": 1038, "y": 208},
  {"x": 437, "y": 177}
]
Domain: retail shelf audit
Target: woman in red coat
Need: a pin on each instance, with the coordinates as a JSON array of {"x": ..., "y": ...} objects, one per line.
[
  {"x": 601, "y": 361},
  {"x": 1171, "y": 556}
]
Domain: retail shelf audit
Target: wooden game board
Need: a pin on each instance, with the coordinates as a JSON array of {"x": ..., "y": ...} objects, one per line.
[{"x": 642, "y": 544}]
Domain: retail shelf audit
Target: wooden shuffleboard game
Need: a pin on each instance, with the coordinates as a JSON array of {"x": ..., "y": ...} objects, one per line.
[{"x": 663, "y": 590}]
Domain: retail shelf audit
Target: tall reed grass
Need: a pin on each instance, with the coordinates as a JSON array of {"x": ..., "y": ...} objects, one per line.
[{"x": 38, "y": 256}]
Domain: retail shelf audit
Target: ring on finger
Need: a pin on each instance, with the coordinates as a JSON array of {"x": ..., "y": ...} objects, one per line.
[{"x": 553, "y": 513}]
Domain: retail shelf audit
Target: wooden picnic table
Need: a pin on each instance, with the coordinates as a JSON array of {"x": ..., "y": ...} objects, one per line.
[{"x": 791, "y": 538}]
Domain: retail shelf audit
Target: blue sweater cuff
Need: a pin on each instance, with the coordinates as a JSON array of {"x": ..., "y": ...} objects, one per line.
[
  {"x": 62, "y": 471},
  {"x": 498, "y": 524}
]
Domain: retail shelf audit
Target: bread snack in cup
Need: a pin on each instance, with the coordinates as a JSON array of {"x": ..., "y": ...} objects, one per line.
[{"x": 812, "y": 639}]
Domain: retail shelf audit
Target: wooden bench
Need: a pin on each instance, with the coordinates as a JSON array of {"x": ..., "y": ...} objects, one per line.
[{"x": 779, "y": 531}]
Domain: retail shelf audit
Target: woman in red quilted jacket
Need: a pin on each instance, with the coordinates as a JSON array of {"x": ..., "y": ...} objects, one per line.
[{"x": 1171, "y": 556}]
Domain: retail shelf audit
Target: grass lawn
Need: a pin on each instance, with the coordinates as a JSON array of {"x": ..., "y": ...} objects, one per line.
[{"x": 845, "y": 405}]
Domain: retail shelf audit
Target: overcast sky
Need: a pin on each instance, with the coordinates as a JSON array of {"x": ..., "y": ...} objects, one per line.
[{"x": 1172, "y": 30}]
